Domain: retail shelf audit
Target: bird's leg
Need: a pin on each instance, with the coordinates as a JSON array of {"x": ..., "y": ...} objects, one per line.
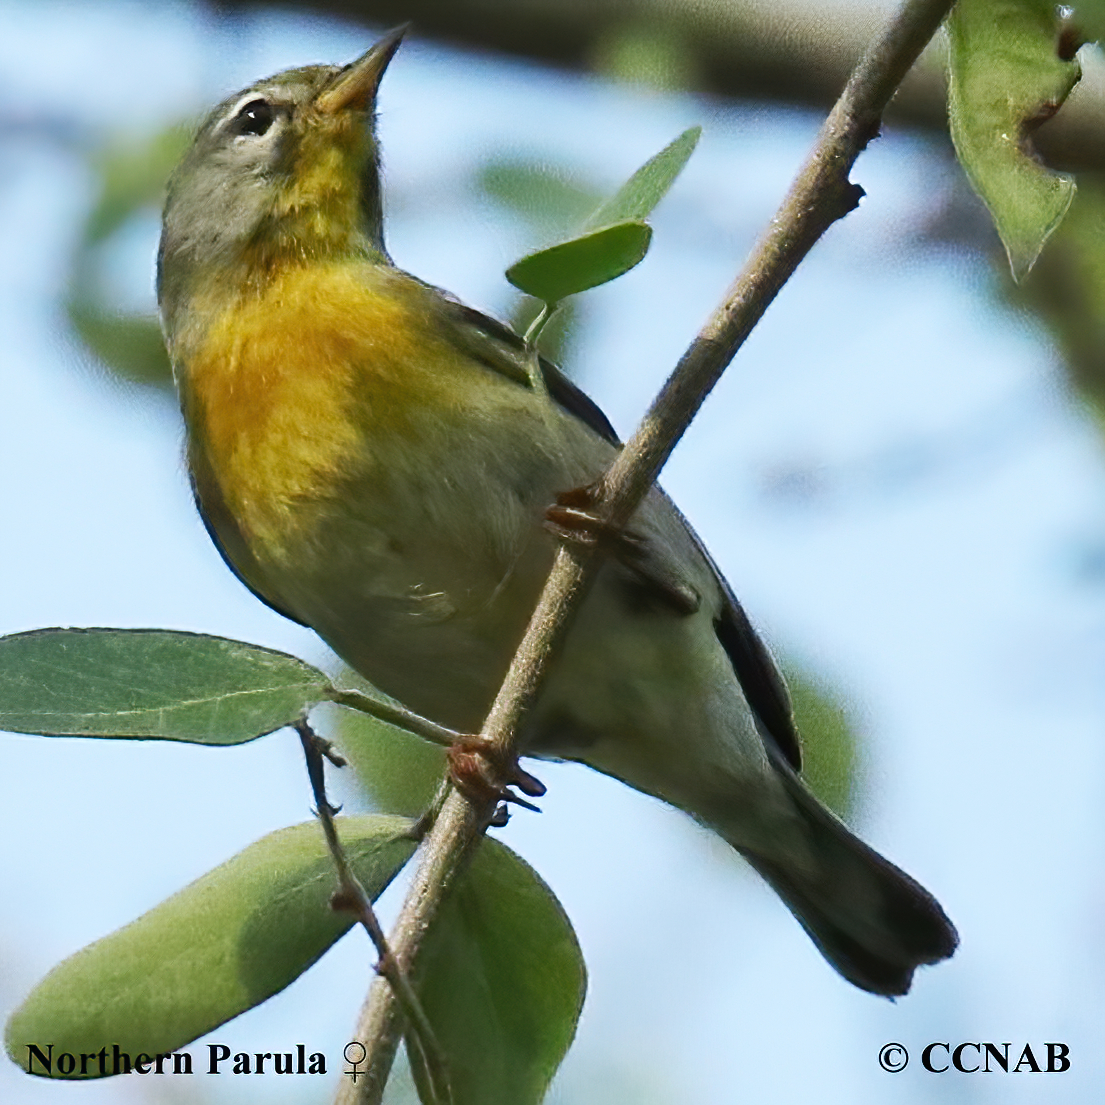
[
  {"x": 573, "y": 518},
  {"x": 484, "y": 772}
]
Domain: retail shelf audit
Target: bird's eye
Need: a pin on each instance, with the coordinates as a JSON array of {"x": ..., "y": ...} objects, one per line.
[{"x": 255, "y": 118}]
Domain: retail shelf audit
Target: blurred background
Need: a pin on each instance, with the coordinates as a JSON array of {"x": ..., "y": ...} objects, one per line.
[{"x": 902, "y": 474}]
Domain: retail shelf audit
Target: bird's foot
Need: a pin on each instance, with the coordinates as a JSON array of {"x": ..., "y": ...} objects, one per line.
[
  {"x": 481, "y": 771},
  {"x": 573, "y": 518}
]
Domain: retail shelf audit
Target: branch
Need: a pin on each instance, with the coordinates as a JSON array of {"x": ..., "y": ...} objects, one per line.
[
  {"x": 396, "y": 715},
  {"x": 351, "y": 897},
  {"x": 820, "y": 195}
]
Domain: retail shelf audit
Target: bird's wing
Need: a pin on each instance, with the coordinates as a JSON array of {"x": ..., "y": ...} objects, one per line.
[
  {"x": 497, "y": 346},
  {"x": 757, "y": 672}
]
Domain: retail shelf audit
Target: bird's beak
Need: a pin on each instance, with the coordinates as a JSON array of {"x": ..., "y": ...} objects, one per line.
[{"x": 355, "y": 86}]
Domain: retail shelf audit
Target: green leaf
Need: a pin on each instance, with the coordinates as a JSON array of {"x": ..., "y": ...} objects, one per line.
[
  {"x": 658, "y": 54},
  {"x": 1068, "y": 294},
  {"x": 1088, "y": 19},
  {"x": 502, "y": 980},
  {"x": 828, "y": 741},
  {"x": 132, "y": 176},
  {"x": 131, "y": 184},
  {"x": 501, "y": 975},
  {"x": 636, "y": 198},
  {"x": 398, "y": 771},
  {"x": 220, "y": 946},
  {"x": 615, "y": 237},
  {"x": 1005, "y": 78},
  {"x": 150, "y": 684},
  {"x": 130, "y": 345},
  {"x": 581, "y": 263},
  {"x": 549, "y": 200}
]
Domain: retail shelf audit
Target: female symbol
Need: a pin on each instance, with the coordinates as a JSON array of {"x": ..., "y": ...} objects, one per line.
[{"x": 354, "y": 1055}]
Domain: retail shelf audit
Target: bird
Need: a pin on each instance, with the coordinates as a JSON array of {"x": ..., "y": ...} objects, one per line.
[{"x": 380, "y": 462}]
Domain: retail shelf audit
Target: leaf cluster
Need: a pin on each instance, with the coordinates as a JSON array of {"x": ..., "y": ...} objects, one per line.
[{"x": 502, "y": 979}]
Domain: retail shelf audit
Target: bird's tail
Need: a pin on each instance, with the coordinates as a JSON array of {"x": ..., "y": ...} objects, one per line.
[{"x": 869, "y": 919}]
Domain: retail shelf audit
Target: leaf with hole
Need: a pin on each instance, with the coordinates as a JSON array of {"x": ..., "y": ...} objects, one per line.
[
  {"x": 222, "y": 945},
  {"x": 1006, "y": 77}
]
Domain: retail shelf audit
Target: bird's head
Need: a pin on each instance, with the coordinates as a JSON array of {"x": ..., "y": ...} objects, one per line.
[{"x": 283, "y": 172}]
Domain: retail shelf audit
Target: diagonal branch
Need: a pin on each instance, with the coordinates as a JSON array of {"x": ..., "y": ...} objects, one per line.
[{"x": 819, "y": 196}]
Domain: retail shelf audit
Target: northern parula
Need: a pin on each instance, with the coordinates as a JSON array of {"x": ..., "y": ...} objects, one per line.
[{"x": 374, "y": 460}]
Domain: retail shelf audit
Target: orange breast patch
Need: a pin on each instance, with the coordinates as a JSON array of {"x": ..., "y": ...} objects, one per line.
[{"x": 288, "y": 383}]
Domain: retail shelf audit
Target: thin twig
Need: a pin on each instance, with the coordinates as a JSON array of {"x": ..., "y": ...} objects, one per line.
[
  {"x": 351, "y": 897},
  {"x": 819, "y": 196},
  {"x": 394, "y": 714}
]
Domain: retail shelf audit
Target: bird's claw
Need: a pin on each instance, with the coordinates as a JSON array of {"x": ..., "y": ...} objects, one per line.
[
  {"x": 482, "y": 772},
  {"x": 573, "y": 518}
]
